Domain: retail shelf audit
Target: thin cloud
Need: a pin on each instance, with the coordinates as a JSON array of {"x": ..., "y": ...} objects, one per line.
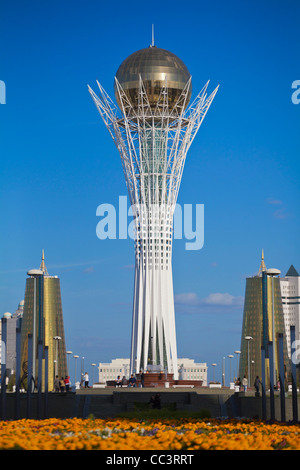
[
  {"x": 271, "y": 200},
  {"x": 281, "y": 214},
  {"x": 128, "y": 266},
  {"x": 218, "y": 299},
  {"x": 89, "y": 270},
  {"x": 189, "y": 298}
]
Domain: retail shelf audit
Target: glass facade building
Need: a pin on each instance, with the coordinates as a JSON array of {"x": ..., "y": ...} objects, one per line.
[
  {"x": 43, "y": 318},
  {"x": 253, "y": 327}
]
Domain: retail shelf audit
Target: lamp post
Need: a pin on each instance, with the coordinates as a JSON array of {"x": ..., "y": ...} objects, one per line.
[
  {"x": 273, "y": 272},
  {"x": 237, "y": 362},
  {"x": 68, "y": 359},
  {"x": 75, "y": 357},
  {"x": 214, "y": 365},
  {"x": 56, "y": 338},
  {"x": 93, "y": 365},
  {"x": 223, "y": 373},
  {"x": 82, "y": 370},
  {"x": 248, "y": 339},
  {"x": 230, "y": 357},
  {"x": 253, "y": 367}
]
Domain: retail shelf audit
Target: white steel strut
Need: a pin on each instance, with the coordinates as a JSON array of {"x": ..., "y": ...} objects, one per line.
[{"x": 153, "y": 144}]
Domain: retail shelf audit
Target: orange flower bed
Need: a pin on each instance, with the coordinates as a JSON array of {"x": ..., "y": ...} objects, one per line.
[{"x": 125, "y": 434}]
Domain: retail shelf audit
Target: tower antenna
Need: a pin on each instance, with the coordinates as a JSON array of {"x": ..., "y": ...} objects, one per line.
[{"x": 152, "y": 45}]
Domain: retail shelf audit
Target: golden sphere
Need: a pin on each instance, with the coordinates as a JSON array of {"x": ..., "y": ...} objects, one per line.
[{"x": 155, "y": 66}]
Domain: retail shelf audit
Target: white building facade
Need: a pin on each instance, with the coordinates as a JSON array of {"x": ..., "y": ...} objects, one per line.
[
  {"x": 111, "y": 370},
  {"x": 188, "y": 369},
  {"x": 290, "y": 293}
]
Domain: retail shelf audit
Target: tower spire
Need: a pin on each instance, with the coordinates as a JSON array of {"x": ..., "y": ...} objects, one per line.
[
  {"x": 43, "y": 266},
  {"x": 152, "y": 43},
  {"x": 262, "y": 267}
]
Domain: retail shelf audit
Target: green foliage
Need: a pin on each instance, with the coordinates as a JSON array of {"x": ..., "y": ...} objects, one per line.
[{"x": 142, "y": 411}]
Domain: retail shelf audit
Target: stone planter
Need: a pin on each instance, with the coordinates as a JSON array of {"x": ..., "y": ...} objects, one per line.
[{"x": 214, "y": 385}]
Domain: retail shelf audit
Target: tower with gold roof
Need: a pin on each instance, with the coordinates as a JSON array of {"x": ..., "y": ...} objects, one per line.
[
  {"x": 260, "y": 331},
  {"x": 153, "y": 126},
  {"x": 43, "y": 318}
]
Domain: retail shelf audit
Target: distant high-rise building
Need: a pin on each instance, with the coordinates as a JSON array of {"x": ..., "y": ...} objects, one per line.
[
  {"x": 11, "y": 326},
  {"x": 43, "y": 318},
  {"x": 254, "y": 333},
  {"x": 290, "y": 292}
]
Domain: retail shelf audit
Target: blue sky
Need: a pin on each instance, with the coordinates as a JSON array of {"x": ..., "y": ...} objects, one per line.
[{"x": 58, "y": 162}]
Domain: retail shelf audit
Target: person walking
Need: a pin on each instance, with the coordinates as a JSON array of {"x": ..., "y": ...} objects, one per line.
[
  {"x": 245, "y": 383},
  {"x": 86, "y": 380},
  {"x": 62, "y": 384},
  {"x": 256, "y": 384},
  {"x": 56, "y": 384},
  {"x": 142, "y": 375},
  {"x": 67, "y": 383}
]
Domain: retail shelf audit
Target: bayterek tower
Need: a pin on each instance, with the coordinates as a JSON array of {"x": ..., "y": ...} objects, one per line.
[{"x": 153, "y": 126}]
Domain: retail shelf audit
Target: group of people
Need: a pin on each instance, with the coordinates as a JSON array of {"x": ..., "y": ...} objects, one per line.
[
  {"x": 120, "y": 382},
  {"x": 132, "y": 382},
  {"x": 244, "y": 383},
  {"x": 62, "y": 384},
  {"x": 155, "y": 401}
]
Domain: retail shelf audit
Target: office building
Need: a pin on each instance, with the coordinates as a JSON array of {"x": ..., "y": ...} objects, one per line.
[
  {"x": 191, "y": 370},
  {"x": 290, "y": 293},
  {"x": 254, "y": 333},
  {"x": 12, "y": 322},
  {"x": 43, "y": 318},
  {"x": 110, "y": 370}
]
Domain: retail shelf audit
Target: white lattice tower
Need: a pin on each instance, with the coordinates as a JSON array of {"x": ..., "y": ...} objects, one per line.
[{"x": 153, "y": 143}]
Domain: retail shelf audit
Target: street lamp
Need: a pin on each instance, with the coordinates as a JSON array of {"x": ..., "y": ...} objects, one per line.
[
  {"x": 82, "y": 369},
  {"x": 93, "y": 365},
  {"x": 237, "y": 362},
  {"x": 75, "y": 357},
  {"x": 56, "y": 338},
  {"x": 230, "y": 357},
  {"x": 68, "y": 359},
  {"x": 273, "y": 272},
  {"x": 214, "y": 365},
  {"x": 253, "y": 367},
  {"x": 248, "y": 339}
]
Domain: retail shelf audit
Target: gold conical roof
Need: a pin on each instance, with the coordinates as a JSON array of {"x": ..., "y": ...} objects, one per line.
[
  {"x": 262, "y": 267},
  {"x": 43, "y": 266}
]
